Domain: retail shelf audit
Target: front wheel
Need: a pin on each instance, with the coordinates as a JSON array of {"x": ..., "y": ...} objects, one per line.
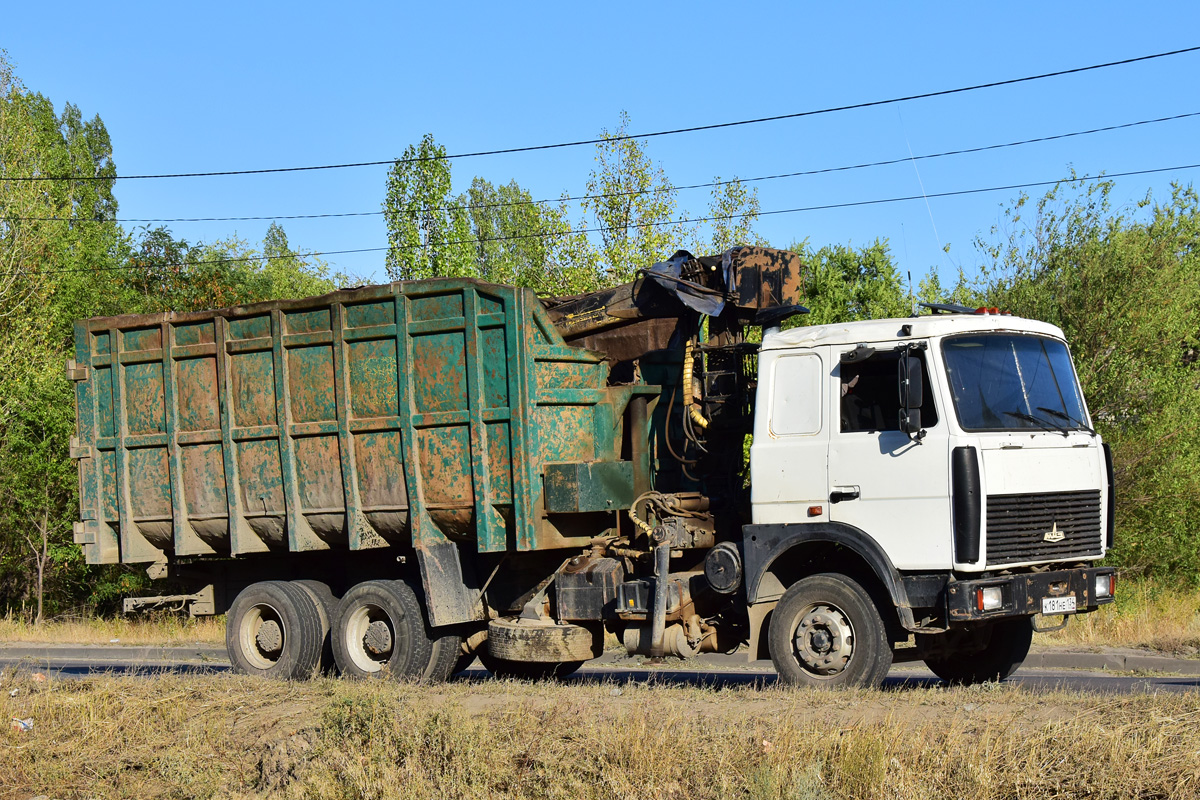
[
  {"x": 826, "y": 631},
  {"x": 990, "y": 653}
]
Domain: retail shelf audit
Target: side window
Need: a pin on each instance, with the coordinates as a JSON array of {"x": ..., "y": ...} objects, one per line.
[
  {"x": 871, "y": 394},
  {"x": 796, "y": 395}
]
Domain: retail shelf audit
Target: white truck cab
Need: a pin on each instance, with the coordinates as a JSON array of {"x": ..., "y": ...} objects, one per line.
[{"x": 953, "y": 454}]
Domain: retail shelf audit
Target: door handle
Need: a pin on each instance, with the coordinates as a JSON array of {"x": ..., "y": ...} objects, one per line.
[{"x": 838, "y": 495}]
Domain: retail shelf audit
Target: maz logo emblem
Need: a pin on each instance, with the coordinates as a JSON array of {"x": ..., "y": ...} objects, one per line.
[{"x": 1054, "y": 534}]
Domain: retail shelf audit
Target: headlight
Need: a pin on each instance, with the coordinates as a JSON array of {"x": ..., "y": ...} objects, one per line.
[
  {"x": 989, "y": 598},
  {"x": 1106, "y": 585}
]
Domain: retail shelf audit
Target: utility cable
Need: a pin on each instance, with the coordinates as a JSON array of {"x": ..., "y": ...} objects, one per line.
[
  {"x": 651, "y": 134},
  {"x": 633, "y": 192},
  {"x": 576, "y": 231}
]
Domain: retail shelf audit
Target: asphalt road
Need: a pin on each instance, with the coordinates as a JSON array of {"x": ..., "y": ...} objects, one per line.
[{"x": 719, "y": 675}]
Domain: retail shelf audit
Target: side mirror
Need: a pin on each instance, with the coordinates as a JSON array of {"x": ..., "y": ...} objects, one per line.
[
  {"x": 911, "y": 381},
  {"x": 910, "y": 421}
]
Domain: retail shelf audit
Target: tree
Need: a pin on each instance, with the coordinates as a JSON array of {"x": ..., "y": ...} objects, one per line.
[
  {"x": 37, "y": 491},
  {"x": 424, "y": 237},
  {"x": 633, "y": 204},
  {"x": 844, "y": 284},
  {"x": 58, "y": 242},
  {"x": 286, "y": 273},
  {"x": 500, "y": 233},
  {"x": 734, "y": 209},
  {"x": 63, "y": 257},
  {"x": 497, "y": 233}
]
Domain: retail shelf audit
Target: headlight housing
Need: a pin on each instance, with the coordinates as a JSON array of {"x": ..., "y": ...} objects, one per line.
[{"x": 989, "y": 598}]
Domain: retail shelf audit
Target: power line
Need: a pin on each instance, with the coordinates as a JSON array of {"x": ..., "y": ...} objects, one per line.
[
  {"x": 551, "y": 235},
  {"x": 671, "y": 132},
  {"x": 570, "y": 198}
]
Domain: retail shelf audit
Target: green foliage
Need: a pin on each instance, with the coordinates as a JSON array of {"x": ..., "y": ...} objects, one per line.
[
  {"x": 36, "y": 485},
  {"x": 734, "y": 209},
  {"x": 516, "y": 240},
  {"x": 629, "y": 220},
  {"x": 844, "y": 284},
  {"x": 630, "y": 198},
  {"x": 497, "y": 233},
  {"x": 168, "y": 274},
  {"x": 63, "y": 257},
  {"x": 422, "y": 233},
  {"x": 1125, "y": 289}
]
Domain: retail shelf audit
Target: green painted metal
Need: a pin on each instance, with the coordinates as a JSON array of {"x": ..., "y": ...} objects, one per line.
[
  {"x": 583, "y": 487},
  {"x": 418, "y": 414}
]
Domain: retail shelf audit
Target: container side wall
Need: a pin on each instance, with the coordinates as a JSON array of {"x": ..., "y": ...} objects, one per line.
[{"x": 418, "y": 414}]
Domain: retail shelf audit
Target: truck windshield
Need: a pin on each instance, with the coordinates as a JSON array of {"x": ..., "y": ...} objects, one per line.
[{"x": 1002, "y": 381}]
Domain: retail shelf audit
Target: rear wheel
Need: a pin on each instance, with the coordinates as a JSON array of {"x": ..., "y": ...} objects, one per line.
[
  {"x": 826, "y": 631},
  {"x": 990, "y": 653},
  {"x": 379, "y": 631},
  {"x": 274, "y": 630},
  {"x": 326, "y": 605},
  {"x": 447, "y": 650}
]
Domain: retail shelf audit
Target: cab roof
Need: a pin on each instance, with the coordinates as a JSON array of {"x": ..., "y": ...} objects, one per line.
[{"x": 889, "y": 330}]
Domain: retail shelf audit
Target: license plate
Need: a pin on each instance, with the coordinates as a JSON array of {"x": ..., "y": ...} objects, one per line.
[{"x": 1058, "y": 605}]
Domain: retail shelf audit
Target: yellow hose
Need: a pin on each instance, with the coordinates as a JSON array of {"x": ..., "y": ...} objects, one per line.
[{"x": 692, "y": 409}]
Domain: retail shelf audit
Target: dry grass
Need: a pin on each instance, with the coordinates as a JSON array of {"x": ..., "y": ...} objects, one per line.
[
  {"x": 162, "y": 629},
  {"x": 1146, "y": 614},
  {"x": 224, "y": 736}
]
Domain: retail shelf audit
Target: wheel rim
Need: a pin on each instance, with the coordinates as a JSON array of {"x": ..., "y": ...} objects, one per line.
[
  {"x": 823, "y": 642},
  {"x": 262, "y": 636},
  {"x": 370, "y": 637}
]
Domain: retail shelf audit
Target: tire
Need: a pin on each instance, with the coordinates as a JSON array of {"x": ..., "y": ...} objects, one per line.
[
  {"x": 379, "y": 631},
  {"x": 463, "y": 663},
  {"x": 826, "y": 631},
  {"x": 527, "y": 670},
  {"x": 993, "y": 653},
  {"x": 326, "y": 604},
  {"x": 322, "y": 594},
  {"x": 274, "y": 630},
  {"x": 447, "y": 652}
]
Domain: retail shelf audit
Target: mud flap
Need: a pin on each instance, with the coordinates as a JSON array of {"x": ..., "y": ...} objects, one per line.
[{"x": 451, "y": 593}]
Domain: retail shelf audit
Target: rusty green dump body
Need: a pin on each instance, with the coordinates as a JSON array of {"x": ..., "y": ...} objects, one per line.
[{"x": 435, "y": 415}]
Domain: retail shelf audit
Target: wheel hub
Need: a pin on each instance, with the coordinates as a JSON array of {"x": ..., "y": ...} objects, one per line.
[
  {"x": 824, "y": 640},
  {"x": 378, "y": 638},
  {"x": 269, "y": 638}
]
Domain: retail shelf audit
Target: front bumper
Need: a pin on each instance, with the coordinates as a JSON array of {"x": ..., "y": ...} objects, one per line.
[{"x": 1022, "y": 594}]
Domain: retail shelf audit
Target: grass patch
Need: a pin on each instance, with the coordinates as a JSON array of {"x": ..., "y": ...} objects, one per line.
[
  {"x": 224, "y": 736},
  {"x": 1147, "y": 614},
  {"x": 157, "y": 629}
]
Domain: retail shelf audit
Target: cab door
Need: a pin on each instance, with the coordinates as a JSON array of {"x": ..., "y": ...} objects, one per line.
[
  {"x": 891, "y": 486},
  {"x": 789, "y": 473}
]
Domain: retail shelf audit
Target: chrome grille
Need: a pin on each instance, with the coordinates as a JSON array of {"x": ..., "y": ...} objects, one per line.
[{"x": 1017, "y": 525}]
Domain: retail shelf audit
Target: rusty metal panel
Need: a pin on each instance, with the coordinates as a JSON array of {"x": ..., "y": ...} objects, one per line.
[
  {"x": 417, "y": 414},
  {"x": 767, "y": 278},
  {"x": 592, "y": 486}
]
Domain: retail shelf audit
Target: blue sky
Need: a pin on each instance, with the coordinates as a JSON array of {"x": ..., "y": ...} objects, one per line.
[{"x": 218, "y": 86}]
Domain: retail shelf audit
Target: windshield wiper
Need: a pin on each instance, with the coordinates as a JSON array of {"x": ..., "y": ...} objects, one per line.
[
  {"x": 1056, "y": 413},
  {"x": 1041, "y": 423}
]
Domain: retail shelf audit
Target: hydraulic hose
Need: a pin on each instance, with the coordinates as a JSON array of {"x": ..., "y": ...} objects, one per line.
[{"x": 693, "y": 409}]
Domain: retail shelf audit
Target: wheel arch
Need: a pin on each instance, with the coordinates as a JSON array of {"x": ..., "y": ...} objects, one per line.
[{"x": 776, "y": 556}]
